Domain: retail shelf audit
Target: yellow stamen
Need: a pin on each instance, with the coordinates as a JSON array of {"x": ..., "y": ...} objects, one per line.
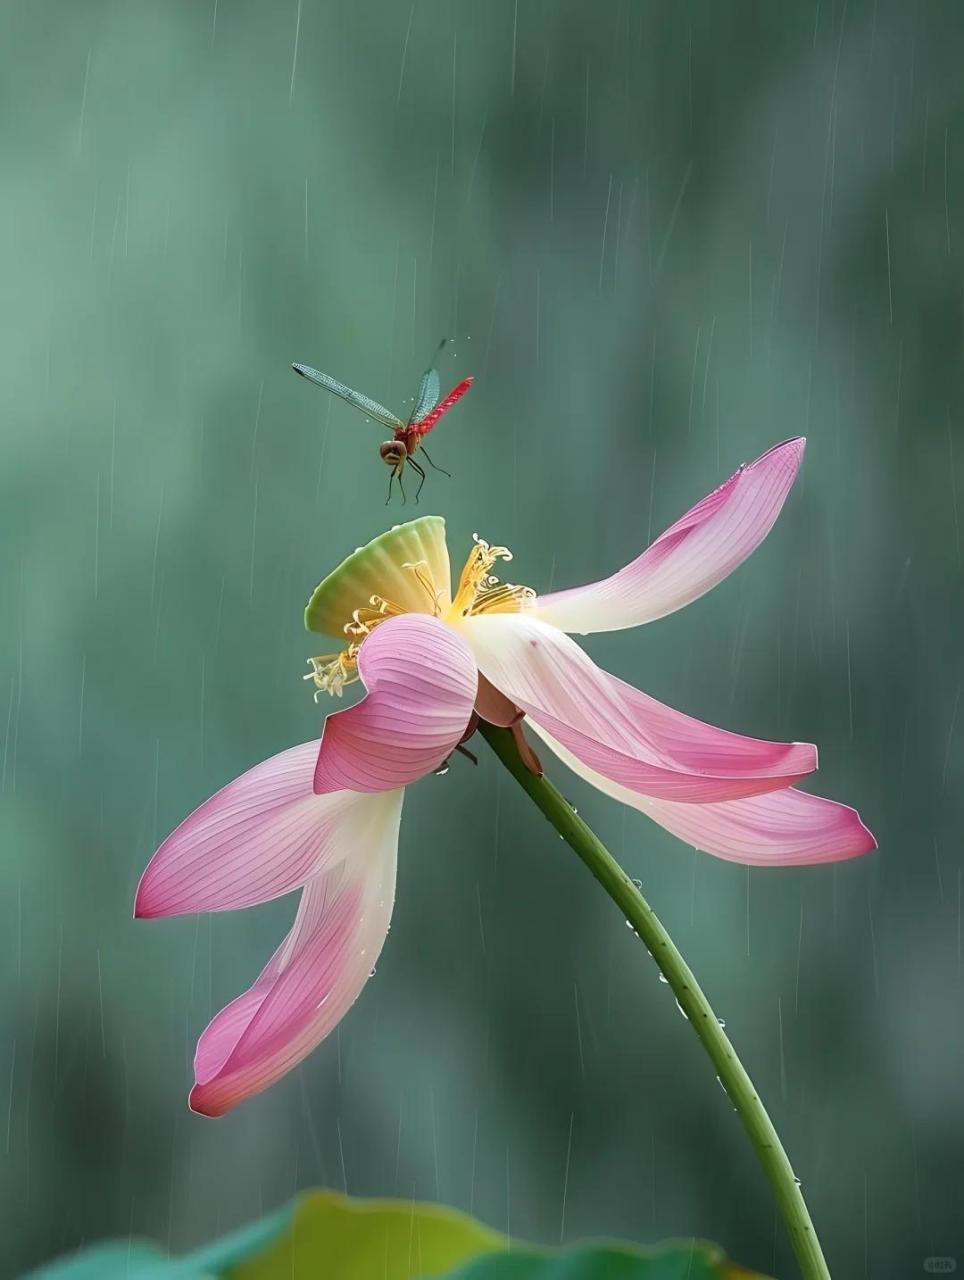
[
  {"x": 480, "y": 591},
  {"x": 423, "y": 576},
  {"x": 332, "y": 671}
]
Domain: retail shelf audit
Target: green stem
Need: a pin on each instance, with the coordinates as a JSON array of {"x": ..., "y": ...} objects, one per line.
[{"x": 693, "y": 1002}]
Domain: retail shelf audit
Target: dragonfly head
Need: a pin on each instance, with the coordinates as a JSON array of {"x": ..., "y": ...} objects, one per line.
[{"x": 394, "y": 453}]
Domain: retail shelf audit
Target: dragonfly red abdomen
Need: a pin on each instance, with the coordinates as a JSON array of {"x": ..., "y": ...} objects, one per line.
[{"x": 425, "y": 425}]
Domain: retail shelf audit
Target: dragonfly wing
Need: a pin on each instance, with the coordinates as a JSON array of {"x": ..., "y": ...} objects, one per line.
[
  {"x": 368, "y": 406},
  {"x": 426, "y": 398},
  {"x": 429, "y": 389}
]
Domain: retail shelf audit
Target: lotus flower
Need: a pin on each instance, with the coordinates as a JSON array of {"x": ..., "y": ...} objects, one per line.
[{"x": 325, "y": 817}]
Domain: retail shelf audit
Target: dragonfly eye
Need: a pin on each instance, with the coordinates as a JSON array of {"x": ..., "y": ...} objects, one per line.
[{"x": 392, "y": 452}]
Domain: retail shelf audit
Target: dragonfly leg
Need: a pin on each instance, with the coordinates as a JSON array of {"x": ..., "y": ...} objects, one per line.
[
  {"x": 419, "y": 471},
  {"x": 393, "y": 475},
  {"x": 432, "y": 464}
]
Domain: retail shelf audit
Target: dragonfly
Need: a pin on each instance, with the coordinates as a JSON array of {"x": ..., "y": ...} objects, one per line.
[{"x": 408, "y": 438}]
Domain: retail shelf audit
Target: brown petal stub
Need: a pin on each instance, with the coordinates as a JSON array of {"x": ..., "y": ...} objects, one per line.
[
  {"x": 529, "y": 757},
  {"x": 494, "y": 706}
]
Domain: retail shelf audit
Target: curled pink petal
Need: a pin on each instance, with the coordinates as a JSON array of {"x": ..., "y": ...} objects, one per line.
[
  {"x": 421, "y": 680},
  {"x": 617, "y": 731},
  {"x": 693, "y": 555},
  {"x": 313, "y": 979},
  {"x": 262, "y": 835},
  {"x": 782, "y": 828}
]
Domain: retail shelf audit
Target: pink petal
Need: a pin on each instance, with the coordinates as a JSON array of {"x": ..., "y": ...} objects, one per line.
[
  {"x": 262, "y": 835},
  {"x": 693, "y": 555},
  {"x": 315, "y": 976},
  {"x": 617, "y": 731},
  {"x": 421, "y": 680},
  {"x": 783, "y": 828}
]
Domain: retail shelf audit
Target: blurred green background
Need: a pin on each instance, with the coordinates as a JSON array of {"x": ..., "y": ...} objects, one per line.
[{"x": 663, "y": 237}]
